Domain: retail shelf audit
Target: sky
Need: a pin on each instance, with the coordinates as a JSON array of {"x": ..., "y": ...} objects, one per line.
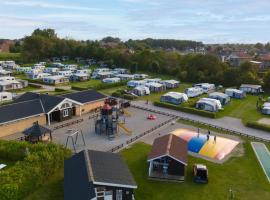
[{"x": 209, "y": 21}]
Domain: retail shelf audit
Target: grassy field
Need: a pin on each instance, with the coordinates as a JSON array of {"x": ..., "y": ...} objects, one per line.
[
  {"x": 26, "y": 89},
  {"x": 86, "y": 84},
  {"x": 10, "y": 56},
  {"x": 242, "y": 174}
]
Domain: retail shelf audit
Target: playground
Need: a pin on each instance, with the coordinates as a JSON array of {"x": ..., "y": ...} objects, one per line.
[{"x": 132, "y": 123}]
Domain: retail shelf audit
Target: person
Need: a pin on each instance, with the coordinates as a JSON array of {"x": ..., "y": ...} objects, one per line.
[
  {"x": 209, "y": 132},
  {"x": 207, "y": 137},
  {"x": 215, "y": 139}
]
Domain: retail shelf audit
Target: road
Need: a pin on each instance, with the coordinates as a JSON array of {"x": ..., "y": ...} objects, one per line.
[{"x": 230, "y": 123}]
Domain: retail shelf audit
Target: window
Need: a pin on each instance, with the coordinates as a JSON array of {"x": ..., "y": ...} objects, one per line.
[
  {"x": 4, "y": 97},
  {"x": 65, "y": 113}
]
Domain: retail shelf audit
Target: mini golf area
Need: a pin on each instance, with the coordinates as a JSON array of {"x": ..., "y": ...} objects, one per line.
[
  {"x": 199, "y": 144},
  {"x": 263, "y": 156}
]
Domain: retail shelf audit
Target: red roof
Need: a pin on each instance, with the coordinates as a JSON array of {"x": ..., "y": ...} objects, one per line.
[
  {"x": 170, "y": 145},
  {"x": 265, "y": 57},
  {"x": 242, "y": 54}
]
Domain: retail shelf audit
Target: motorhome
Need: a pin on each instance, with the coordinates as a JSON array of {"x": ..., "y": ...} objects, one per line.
[
  {"x": 194, "y": 91},
  {"x": 207, "y": 87}
]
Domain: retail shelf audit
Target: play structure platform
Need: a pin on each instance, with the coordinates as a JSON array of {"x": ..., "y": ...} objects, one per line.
[
  {"x": 198, "y": 143},
  {"x": 263, "y": 156}
]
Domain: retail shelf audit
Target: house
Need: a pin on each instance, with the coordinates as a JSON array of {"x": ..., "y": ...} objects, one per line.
[
  {"x": 55, "y": 80},
  {"x": 253, "y": 89},
  {"x": 234, "y": 93},
  {"x": 92, "y": 175},
  {"x": 141, "y": 91},
  {"x": 207, "y": 87},
  {"x": 9, "y": 83},
  {"x": 194, "y": 91},
  {"x": 266, "y": 108},
  {"x": 31, "y": 107},
  {"x": 171, "y": 83},
  {"x": 174, "y": 98},
  {"x": 140, "y": 76},
  {"x": 168, "y": 158},
  {"x": 265, "y": 59},
  {"x": 207, "y": 104},
  {"x": 80, "y": 77},
  {"x": 155, "y": 87},
  {"x": 223, "y": 98},
  {"x": 125, "y": 77},
  {"x": 5, "y": 96},
  {"x": 37, "y": 133},
  {"x": 135, "y": 83},
  {"x": 239, "y": 57},
  {"x": 111, "y": 80}
]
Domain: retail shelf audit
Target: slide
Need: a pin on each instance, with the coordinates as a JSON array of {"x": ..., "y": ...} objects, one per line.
[{"x": 126, "y": 130}]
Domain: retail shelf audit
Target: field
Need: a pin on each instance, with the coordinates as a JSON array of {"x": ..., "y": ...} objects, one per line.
[
  {"x": 10, "y": 56},
  {"x": 86, "y": 84},
  {"x": 241, "y": 174},
  {"x": 26, "y": 89}
]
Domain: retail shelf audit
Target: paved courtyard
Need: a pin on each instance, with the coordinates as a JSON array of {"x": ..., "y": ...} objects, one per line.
[{"x": 137, "y": 123}]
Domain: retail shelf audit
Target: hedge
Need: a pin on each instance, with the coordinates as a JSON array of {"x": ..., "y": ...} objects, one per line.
[
  {"x": 259, "y": 126},
  {"x": 186, "y": 109},
  {"x": 31, "y": 169},
  {"x": 100, "y": 86}
]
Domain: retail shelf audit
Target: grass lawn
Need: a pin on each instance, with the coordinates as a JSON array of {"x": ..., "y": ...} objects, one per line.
[
  {"x": 243, "y": 174},
  {"x": 109, "y": 91},
  {"x": 26, "y": 89},
  {"x": 86, "y": 84},
  {"x": 9, "y": 56}
]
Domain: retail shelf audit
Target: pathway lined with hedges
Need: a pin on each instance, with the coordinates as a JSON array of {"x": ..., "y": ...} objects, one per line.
[{"x": 230, "y": 123}]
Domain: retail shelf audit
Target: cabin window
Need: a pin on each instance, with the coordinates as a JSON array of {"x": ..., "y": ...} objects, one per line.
[
  {"x": 65, "y": 105},
  {"x": 65, "y": 113},
  {"x": 119, "y": 195}
]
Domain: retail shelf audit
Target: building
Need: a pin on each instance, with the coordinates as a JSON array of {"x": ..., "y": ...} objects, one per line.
[
  {"x": 111, "y": 80},
  {"x": 5, "y": 96},
  {"x": 266, "y": 108},
  {"x": 223, "y": 98},
  {"x": 239, "y": 57},
  {"x": 174, "y": 98},
  {"x": 253, "y": 89},
  {"x": 171, "y": 83},
  {"x": 207, "y": 104},
  {"x": 155, "y": 87},
  {"x": 45, "y": 109},
  {"x": 93, "y": 175},
  {"x": 194, "y": 91},
  {"x": 265, "y": 59},
  {"x": 55, "y": 80},
  {"x": 141, "y": 91},
  {"x": 168, "y": 158},
  {"x": 234, "y": 93}
]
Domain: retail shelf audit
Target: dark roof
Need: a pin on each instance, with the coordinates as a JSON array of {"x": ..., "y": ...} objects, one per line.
[
  {"x": 87, "y": 168},
  {"x": 36, "y": 130},
  {"x": 85, "y": 96},
  {"x": 20, "y": 110},
  {"x": 169, "y": 145},
  {"x": 28, "y": 96},
  {"x": 110, "y": 168},
  {"x": 76, "y": 181}
]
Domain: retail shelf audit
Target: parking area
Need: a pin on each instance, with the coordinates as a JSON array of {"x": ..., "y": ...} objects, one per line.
[{"x": 137, "y": 123}]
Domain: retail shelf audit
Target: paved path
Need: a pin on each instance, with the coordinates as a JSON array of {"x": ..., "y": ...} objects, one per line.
[{"x": 226, "y": 122}]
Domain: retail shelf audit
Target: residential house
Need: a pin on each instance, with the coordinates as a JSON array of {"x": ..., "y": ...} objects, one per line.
[
  {"x": 168, "y": 158},
  {"x": 253, "y": 89},
  {"x": 265, "y": 59},
  {"x": 92, "y": 175},
  {"x": 174, "y": 98},
  {"x": 239, "y": 57},
  {"x": 141, "y": 91},
  {"x": 155, "y": 87},
  {"x": 55, "y": 80},
  {"x": 234, "y": 93},
  {"x": 223, "y": 98},
  {"x": 171, "y": 83},
  {"x": 207, "y": 104}
]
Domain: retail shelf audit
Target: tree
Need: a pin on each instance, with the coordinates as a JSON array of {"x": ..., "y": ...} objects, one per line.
[
  {"x": 266, "y": 81},
  {"x": 48, "y": 33}
]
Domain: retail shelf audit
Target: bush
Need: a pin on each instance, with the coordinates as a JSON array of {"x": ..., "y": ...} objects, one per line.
[
  {"x": 186, "y": 109},
  {"x": 78, "y": 88},
  {"x": 31, "y": 170},
  {"x": 259, "y": 126}
]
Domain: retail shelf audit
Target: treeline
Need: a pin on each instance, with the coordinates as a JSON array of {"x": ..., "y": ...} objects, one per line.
[{"x": 44, "y": 44}]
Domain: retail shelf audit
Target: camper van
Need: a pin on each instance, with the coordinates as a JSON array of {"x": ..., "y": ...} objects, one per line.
[
  {"x": 194, "y": 91},
  {"x": 207, "y": 87}
]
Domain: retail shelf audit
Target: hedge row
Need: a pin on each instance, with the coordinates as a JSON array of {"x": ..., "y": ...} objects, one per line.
[
  {"x": 259, "y": 126},
  {"x": 31, "y": 169},
  {"x": 186, "y": 109}
]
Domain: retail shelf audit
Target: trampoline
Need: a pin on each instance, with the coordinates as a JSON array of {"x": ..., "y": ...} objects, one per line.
[{"x": 198, "y": 143}]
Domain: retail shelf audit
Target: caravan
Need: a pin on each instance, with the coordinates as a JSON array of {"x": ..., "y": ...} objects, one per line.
[
  {"x": 223, "y": 98},
  {"x": 174, "y": 98},
  {"x": 266, "y": 108},
  {"x": 234, "y": 93},
  {"x": 207, "y": 104},
  {"x": 207, "y": 87},
  {"x": 194, "y": 91}
]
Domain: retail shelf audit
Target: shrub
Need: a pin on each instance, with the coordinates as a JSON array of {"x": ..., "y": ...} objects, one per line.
[
  {"x": 186, "y": 109},
  {"x": 78, "y": 88},
  {"x": 31, "y": 170},
  {"x": 259, "y": 126}
]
